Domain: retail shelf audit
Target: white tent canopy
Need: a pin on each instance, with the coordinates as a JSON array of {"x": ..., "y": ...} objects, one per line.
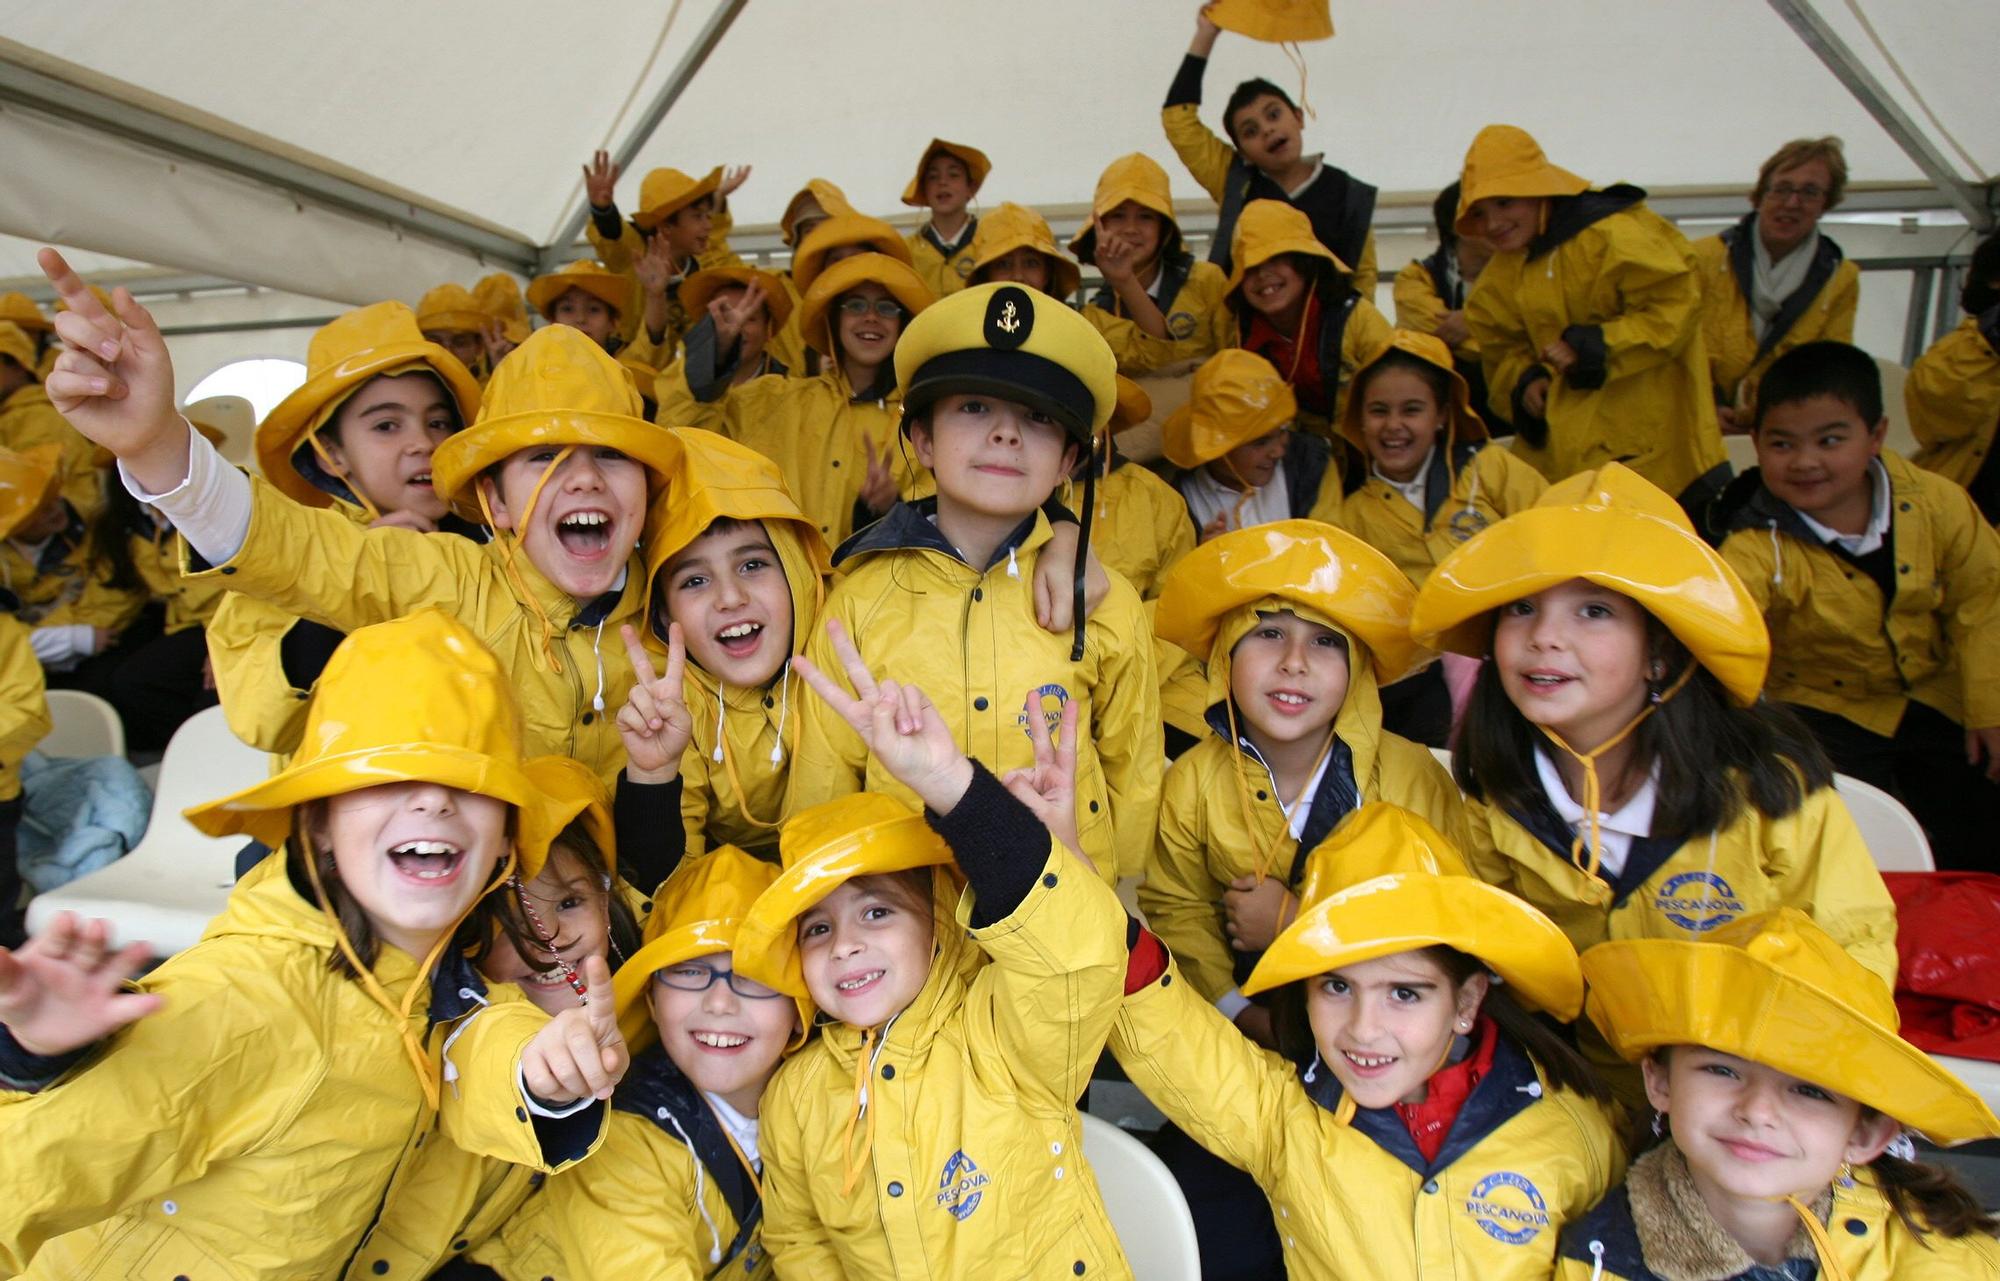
[{"x": 369, "y": 150}]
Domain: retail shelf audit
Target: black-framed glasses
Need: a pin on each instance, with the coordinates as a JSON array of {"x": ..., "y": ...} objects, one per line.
[
  {"x": 883, "y": 307},
  {"x": 694, "y": 976},
  {"x": 1808, "y": 194}
]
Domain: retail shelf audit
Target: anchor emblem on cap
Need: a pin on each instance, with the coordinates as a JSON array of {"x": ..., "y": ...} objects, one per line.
[{"x": 1007, "y": 323}]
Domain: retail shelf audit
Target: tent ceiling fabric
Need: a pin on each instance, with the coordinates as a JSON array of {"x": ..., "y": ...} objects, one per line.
[{"x": 489, "y": 108}]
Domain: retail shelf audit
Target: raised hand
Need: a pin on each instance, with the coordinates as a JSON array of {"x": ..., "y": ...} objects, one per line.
[
  {"x": 732, "y": 310},
  {"x": 600, "y": 176},
  {"x": 1048, "y": 787},
  {"x": 1205, "y": 32},
  {"x": 63, "y": 989},
  {"x": 498, "y": 344},
  {"x": 732, "y": 178},
  {"x": 655, "y": 723},
  {"x": 580, "y": 1054},
  {"x": 1115, "y": 256},
  {"x": 114, "y": 381},
  {"x": 897, "y": 722},
  {"x": 878, "y": 485},
  {"x": 655, "y": 267}
]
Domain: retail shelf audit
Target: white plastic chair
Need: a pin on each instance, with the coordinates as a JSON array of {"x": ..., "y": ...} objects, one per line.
[
  {"x": 1443, "y": 755},
  {"x": 167, "y": 889},
  {"x": 1894, "y": 838},
  {"x": 1146, "y": 1207},
  {"x": 83, "y": 725}
]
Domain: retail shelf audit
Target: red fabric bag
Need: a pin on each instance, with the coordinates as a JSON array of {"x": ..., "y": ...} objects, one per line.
[{"x": 1948, "y": 946}]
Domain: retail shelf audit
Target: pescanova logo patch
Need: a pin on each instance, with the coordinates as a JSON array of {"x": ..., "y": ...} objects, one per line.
[
  {"x": 1698, "y": 901},
  {"x": 962, "y": 1186},
  {"x": 1050, "y": 698},
  {"x": 1508, "y": 1207}
]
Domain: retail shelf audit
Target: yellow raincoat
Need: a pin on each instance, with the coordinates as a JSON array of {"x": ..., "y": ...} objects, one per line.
[
  {"x": 65, "y": 583},
  {"x": 942, "y": 274},
  {"x": 1419, "y": 306},
  {"x": 1619, "y": 284},
  {"x": 158, "y": 558},
  {"x": 1839, "y": 648},
  {"x": 1187, "y": 292},
  {"x": 24, "y": 707},
  {"x": 620, "y": 254},
  {"x": 976, "y": 1164},
  {"x": 1953, "y": 397},
  {"x": 288, "y": 1139},
  {"x": 969, "y": 638},
  {"x": 1822, "y": 309},
  {"x": 27, "y": 419},
  {"x": 1206, "y": 839},
  {"x": 1141, "y": 527}
]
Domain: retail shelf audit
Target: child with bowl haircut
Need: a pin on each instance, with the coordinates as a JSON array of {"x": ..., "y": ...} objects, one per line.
[{"x": 948, "y": 176}]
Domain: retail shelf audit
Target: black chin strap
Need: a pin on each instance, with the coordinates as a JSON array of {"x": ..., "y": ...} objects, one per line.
[{"x": 1078, "y": 575}]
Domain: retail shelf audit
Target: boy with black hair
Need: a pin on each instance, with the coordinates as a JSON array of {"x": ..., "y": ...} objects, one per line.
[
  {"x": 1880, "y": 582},
  {"x": 1953, "y": 392},
  {"x": 1263, "y": 160}
]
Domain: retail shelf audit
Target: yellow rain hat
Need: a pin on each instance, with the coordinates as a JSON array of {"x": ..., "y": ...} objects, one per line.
[
  {"x": 1266, "y": 229},
  {"x": 558, "y": 388},
  {"x": 1274, "y": 21},
  {"x": 720, "y": 479},
  {"x": 19, "y": 309},
  {"x": 420, "y": 699},
  {"x": 451, "y": 309},
  {"x": 1613, "y": 528},
  {"x": 822, "y": 848},
  {"x": 17, "y": 346},
  {"x": 1012, "y": 227},
  {"x": 846, "y": 231},
  {"x": 1465, "y": 424},
  {"x": 699, "y": 911},
  {"x": 1139, "y": 179},
  {"x": 1385, "y": 881},
  {"x": 830, "y": 200},
  {"x": 1017, "y": 343},
  {"x": 666, "y": 192},
  {"x": 345, "y": 353},
  {"x": 1506, "y": 161},
  {"x": 1134, "y": 405},
  {"x": 1327, "y": 571},
  {"x": 697, "y": 291},
  {"x": 977, "y": 166},
  {"x": 27, "y": 478},
  {"x": 1776, "y": 989},
  {"x": 893, "y": 274},
  {"x": 498, "y": 296},
  {"x": 594, "y": 278},
  {"x": 1235, "y": 397},
  {"x": 566, "y": 791}
]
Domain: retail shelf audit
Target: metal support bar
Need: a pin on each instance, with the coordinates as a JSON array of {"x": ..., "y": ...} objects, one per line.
[
  {"x": 1972, "y": 201},
  {"x": 1922, "y": 280},
  {"x": 246, "y": 326},
  {"x": 40, "y": 92},
  {"x": 633, "y": 142}
]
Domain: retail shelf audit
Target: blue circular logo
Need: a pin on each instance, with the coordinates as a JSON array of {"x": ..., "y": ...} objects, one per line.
[
  {"x": 1508, "y": 1208},
  {"x": 1698, "y": 901}
]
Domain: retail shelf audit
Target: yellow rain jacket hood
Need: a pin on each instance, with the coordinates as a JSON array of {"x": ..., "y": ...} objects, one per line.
[
  {"x": 28, "y": 420},
  {"x": 1012, "y": 227},
  {"x": 499, "y": 297},
  {"x": 451, "y": 309},
  {"x": 818, "y": 194},
  {"x": 1140, "y": 179},
  {"x": 1524, "y": 1155},
  {"x": 1953, "y": 398},
  {"x": 967, "y": 1156},
  {"x": 1220, "y": 818},
  {"x": 977, "y": 166},
  {"x": 735, "y": 771}
]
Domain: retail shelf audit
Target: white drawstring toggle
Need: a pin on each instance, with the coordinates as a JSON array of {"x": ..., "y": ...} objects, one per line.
[{"x": 1013, "y": 568}]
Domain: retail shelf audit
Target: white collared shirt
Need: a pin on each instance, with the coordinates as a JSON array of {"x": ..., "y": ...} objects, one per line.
[
  {"x": 1208, "y": 498},
  {"x": 1416, "y": 489},
  {"x": 1870, "y": 538},
  {"x": 1616, "y": 830},
  {"x": 741, "y": 1128}
]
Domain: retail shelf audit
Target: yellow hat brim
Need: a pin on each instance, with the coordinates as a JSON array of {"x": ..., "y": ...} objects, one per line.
[
  {"x": 1465, "y": 425},
  {"x": 698, "y": 290},
  {"x": 286, "y": 427},
  {"x": 1542, "y": 181},
  {"x": 1648, "y": 993},
  {"x": 454, "y": 322},
  {"x": 1187, "y": 441},
  {"x": 894, "y": 275},
  {"x": 1084, "y": 243},
  {"x": 1672, "y": 573},
  {"x": 263, "y": 810},
  {"x": 46, "y": 462},
  {"x": 609, "y": 289},
  {"x": 654, "y": 214},
  {"x": 1408, "y": 912},
  {"x": 1263, "y": 251},
  {"x": 977, "y": 166},
  {"x": 630, "y": 984},
  {"x": 463, "y": 458}
]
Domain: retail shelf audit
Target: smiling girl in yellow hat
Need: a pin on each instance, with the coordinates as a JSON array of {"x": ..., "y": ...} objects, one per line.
[
  {"x": 932, "y": 1129},
  {"x": 1158, "y": 306},
  {"x": 676, "y": 1190},
  {"x": 267, "y": 1107},
  {"x": 1780, "y": 1092},
  {"x": 559, "y": 465},
  {"x": 1443, "y": 1129},
  {"x": 1624, "y": 775}
]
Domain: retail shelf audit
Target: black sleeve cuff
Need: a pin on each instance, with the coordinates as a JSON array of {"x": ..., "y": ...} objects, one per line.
[
  {"x": 1533, "y": 428},
  {"x": 1186, "y": 88},
  {"x": 998, "y": 843},
  {"x": 568, "y": 1138},
  {"x": 1589, "y": 371},
  {"x": 651, "y": 840},
  {"x": 1057, "y": 513},
  {"x": 305, "y": 651},
  {"x": 708, "y": 370},
  {"x": 609, "y": 225},
  {"x": 25, "y": 1072}
]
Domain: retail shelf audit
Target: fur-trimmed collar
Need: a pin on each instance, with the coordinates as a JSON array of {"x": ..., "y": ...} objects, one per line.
[{"x": 1681, "y": 1239}]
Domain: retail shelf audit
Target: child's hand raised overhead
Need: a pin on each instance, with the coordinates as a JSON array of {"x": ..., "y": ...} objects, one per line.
[
  {"x": 580, "y": 1054},
  {"x": 898, "y": 724},
  {"x": 599, "y": 177},
  {"x": 63, "y": 989},
  {"x": 114, "y": 381},
  {"x": 1048, "y": 787},
  {"x": 732, "y": 178},
  {"x": 655, "y": 723}
]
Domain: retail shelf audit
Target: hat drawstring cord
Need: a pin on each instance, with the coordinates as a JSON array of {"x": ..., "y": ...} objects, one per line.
[
  {"x": 597, "y": 652},
  {"x": 1829, "y": 1266},
  {"x": 1777, "y": 557},
  {"x": 335, "y": 470},
  {"x": 721, "y": 713},
  {"x": 1590, "y": 859},
  {"x": 784, "y": 709}
]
